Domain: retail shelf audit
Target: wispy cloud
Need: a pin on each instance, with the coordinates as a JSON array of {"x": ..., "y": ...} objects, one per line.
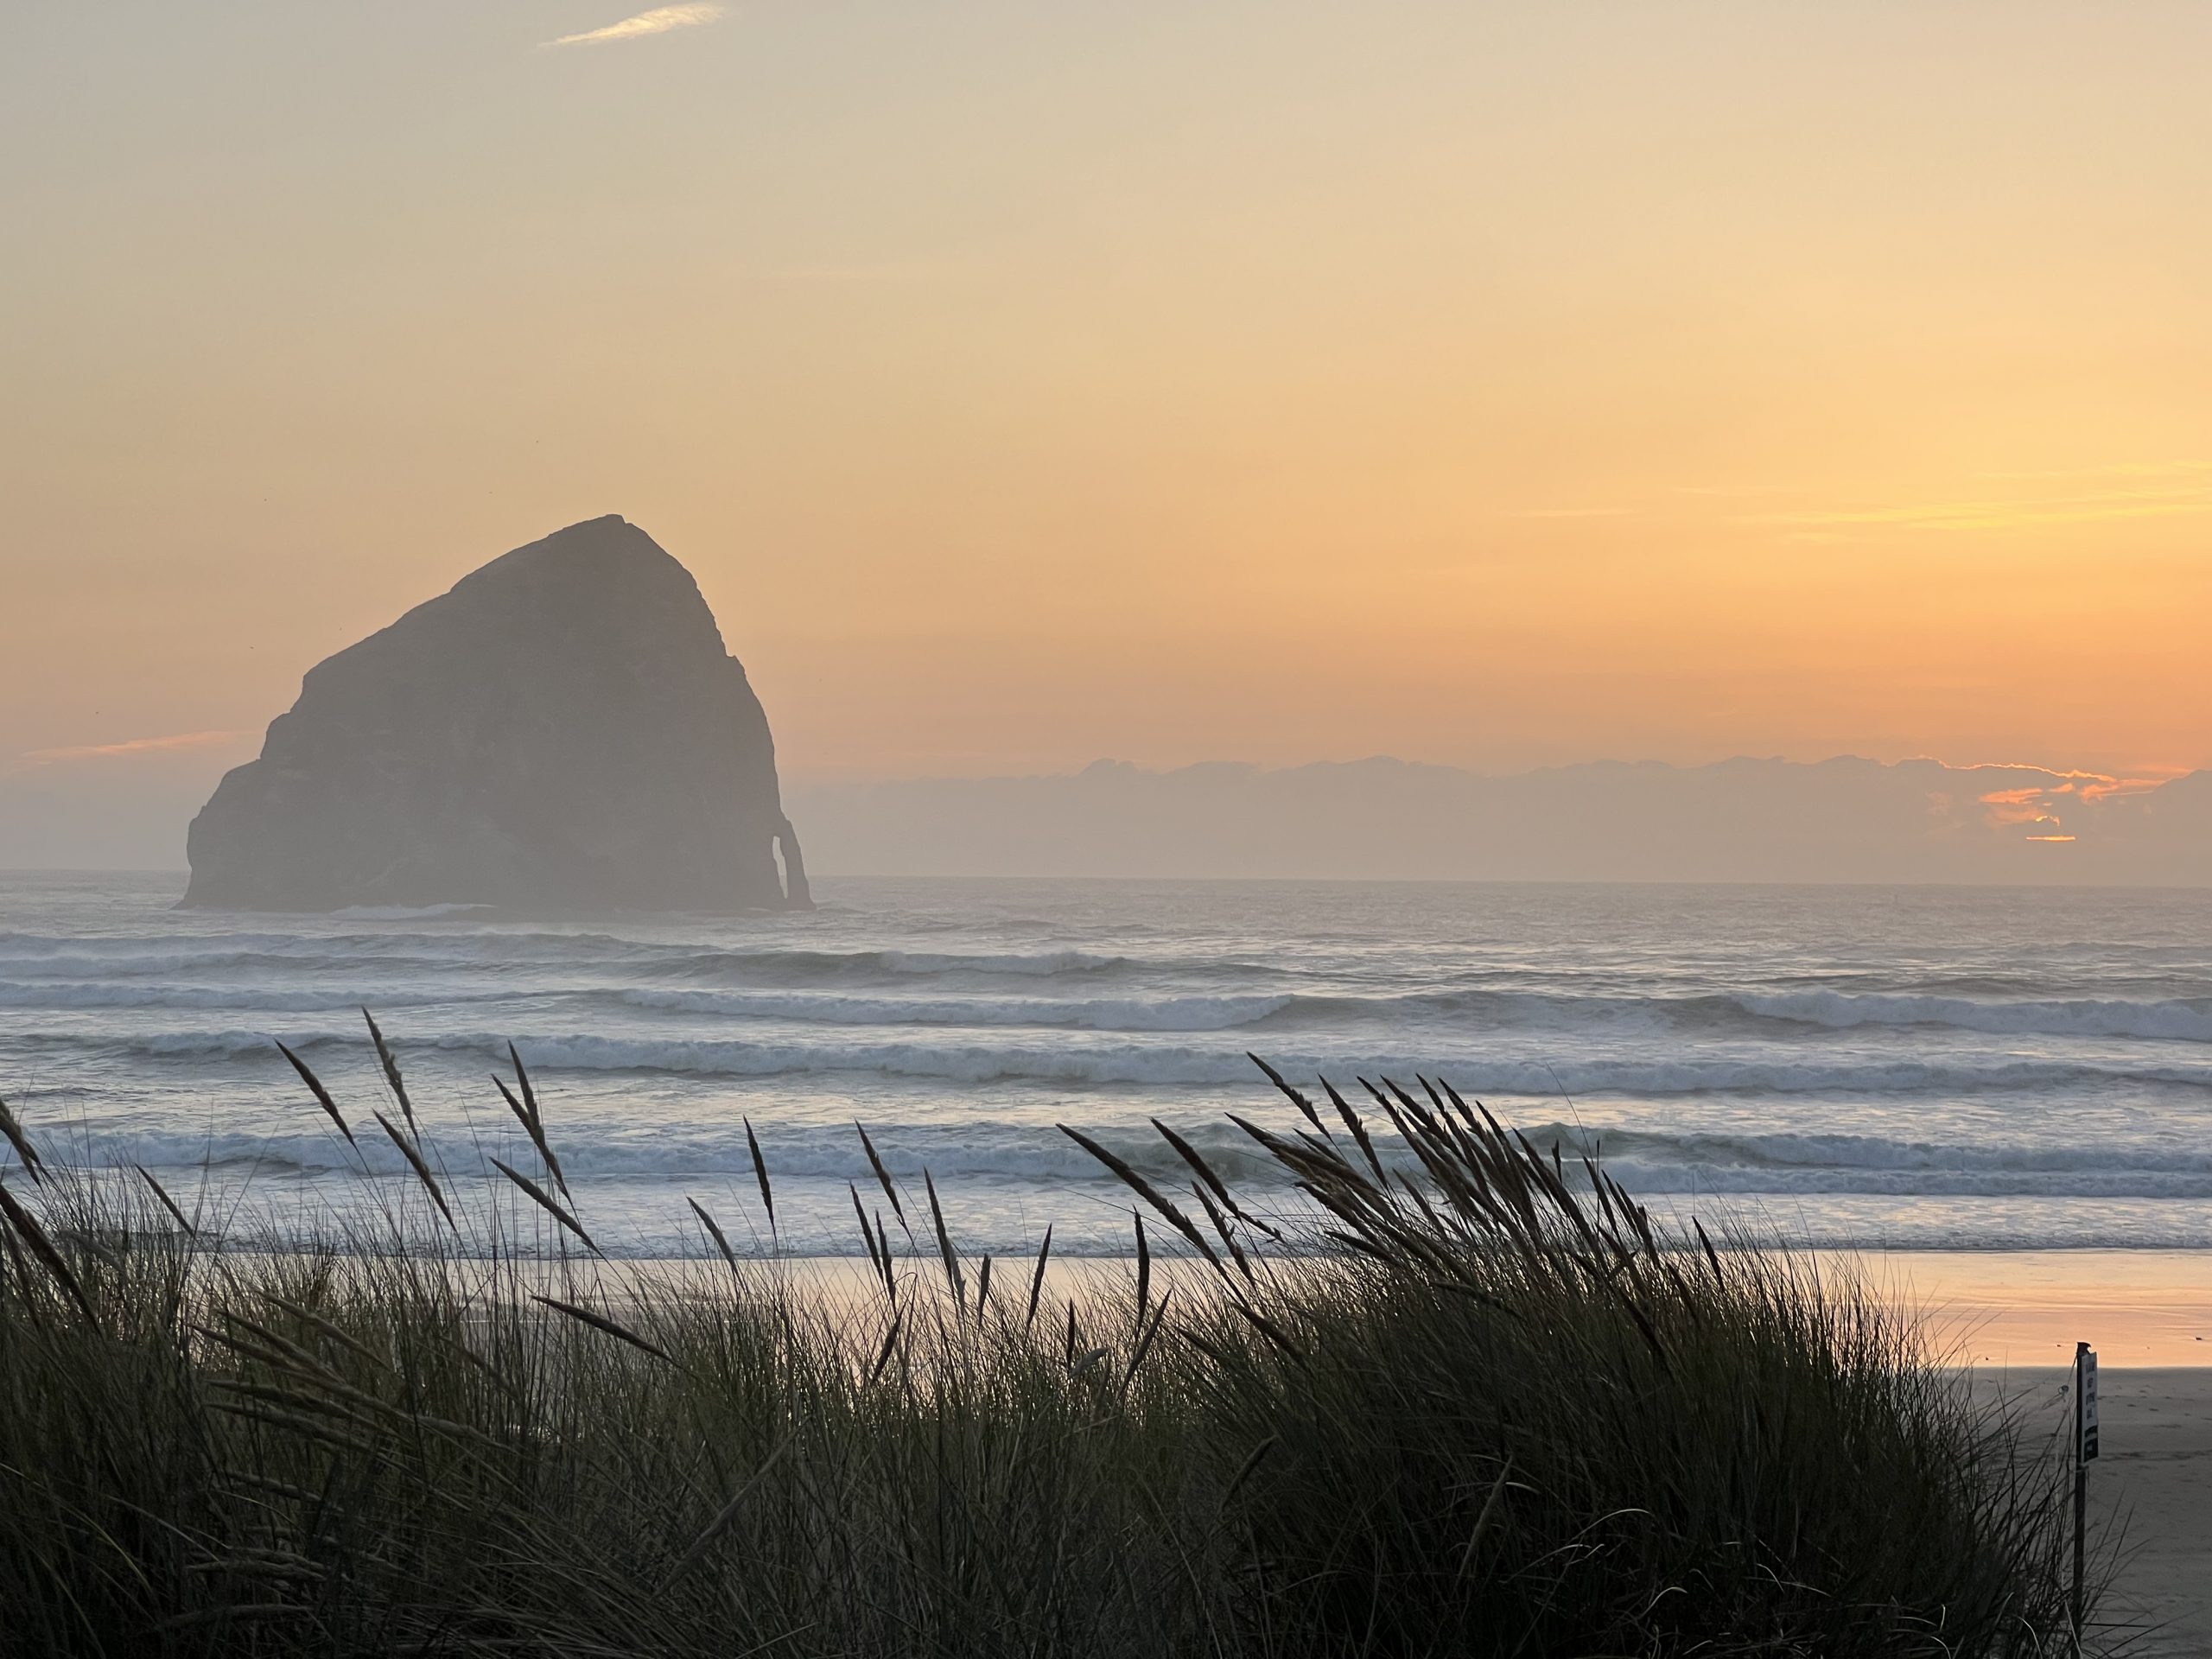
[
  {"x": 2006, "y": 515},
  {"x": 131, "y": 748},
  {"x": 659, "y": 21},
  {"x": 1574, "y": 512},
  {"x": 2119, "y": 469},
  {"x": 885, "y": 272}
]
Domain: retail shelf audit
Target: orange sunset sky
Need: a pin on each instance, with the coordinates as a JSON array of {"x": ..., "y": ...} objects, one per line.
[{"x": 1495, "y": 384}]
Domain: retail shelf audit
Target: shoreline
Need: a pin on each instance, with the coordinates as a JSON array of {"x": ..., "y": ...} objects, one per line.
[
  {"x": 1997, "y": 1312},
  {"x": 2019, "y": 1309},
  {"x": 2002, "y": 1310}
]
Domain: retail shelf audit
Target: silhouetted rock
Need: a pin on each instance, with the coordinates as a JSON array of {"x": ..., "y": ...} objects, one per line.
[{"x": 564, "y": 730}]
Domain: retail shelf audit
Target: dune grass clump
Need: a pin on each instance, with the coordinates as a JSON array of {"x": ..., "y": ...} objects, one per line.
[{"x": 1468, "y": 1398}]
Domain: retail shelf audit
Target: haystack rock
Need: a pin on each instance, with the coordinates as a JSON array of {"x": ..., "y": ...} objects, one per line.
[{"x": 562, "y": 731}]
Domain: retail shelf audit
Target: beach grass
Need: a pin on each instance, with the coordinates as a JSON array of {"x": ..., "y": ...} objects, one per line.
[{"x": 1472, "y": 1400}]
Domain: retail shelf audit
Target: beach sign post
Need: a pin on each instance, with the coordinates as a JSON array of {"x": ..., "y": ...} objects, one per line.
[{"x": 2085, "y": 1448}]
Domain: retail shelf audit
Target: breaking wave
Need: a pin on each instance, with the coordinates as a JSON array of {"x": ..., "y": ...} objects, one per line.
[
  {"x": 765, "y": 986},
  {"x": 1799, "y": 1048},
  {"x": 1091, "y": 1061},
  {"x": 1117, "y": 1014},
  {"x": 1650, "y": 1164}
]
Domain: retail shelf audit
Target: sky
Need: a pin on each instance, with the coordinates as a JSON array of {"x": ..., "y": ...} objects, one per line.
[{"x": 1494, "y": 386}]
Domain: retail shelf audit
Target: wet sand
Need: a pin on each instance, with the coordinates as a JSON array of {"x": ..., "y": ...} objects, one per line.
[{"x": 2010, "y": 1309}]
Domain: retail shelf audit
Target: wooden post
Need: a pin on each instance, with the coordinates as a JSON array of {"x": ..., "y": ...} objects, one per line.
[{"x": 2085, "y": 1447}]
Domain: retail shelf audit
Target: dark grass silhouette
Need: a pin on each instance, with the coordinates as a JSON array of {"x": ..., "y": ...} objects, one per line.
[{"x": 1477, "y": 1403}]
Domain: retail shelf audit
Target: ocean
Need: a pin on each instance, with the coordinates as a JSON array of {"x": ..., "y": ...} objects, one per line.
[{"x": 1905, "y": 1069}]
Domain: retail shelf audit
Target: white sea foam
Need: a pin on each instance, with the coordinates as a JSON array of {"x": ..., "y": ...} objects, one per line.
[
  {"x": 28, "y": 957},
  {"x": 61, "y": 982},
  {"x": 1007, "y": 1150},
  {"x": 269, "y": 998},
  {"x": 1107, "y": 1014},
  {"x": 1094, "y": 1061},
  {"x": 2189, "y": 1021}
]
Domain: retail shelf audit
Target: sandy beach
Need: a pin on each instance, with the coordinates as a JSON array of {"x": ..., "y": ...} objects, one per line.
[
  {"x": 2155, "y": 1475},
  {"x": 2015, "y": 1316},
  {"x": 2153, "y": 1485},
  {"x": 2022, "y": 1309}
]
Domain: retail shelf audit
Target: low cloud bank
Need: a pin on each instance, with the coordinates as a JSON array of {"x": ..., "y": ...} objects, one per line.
[
  {"x": 1742, "y": 820},
  {"x": 126, "y": 805},
  {"x": 117, "y": 806}
]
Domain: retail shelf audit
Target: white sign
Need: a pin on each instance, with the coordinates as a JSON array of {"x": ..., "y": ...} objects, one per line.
[{"x": 2086, "y": 1405}]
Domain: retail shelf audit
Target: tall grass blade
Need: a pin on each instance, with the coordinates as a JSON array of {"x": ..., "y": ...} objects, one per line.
[
  {"x": 168, "y": 1203},
  {"x": 1351, "y": 1120},
  {"x": 1268, "y": 1328},
  {"x": 546, "y": 1202},
  {"x": 1711, "y": 1258},
  {"x": 391, "y": 1064},
  {"x": 415, "y": 1161},
  {"x": 877, "y": 1265},
  {"x": 529, "y": 1094},
  {"x": 535, "y": 1123},
  {"x": 1143, "y": 1189},
  {"x": 1295, "y": 1096},
  {"x": 714, "y": 1231},
  {"x": 953, "y": 1275},
  {"x": 883, "y": 1179},
  {"x": 1037, "y": 1278},
  {"x": 1206, "y": 1172},
  {"x": 536, "y": 1131},
  {"x": 890, "y": 1347},
  {"x": 322, "y": 1095},
  {"x": 1144, "y": 1269},
  {"x": 760, "y": 1174},
  {"x": 26, "y": 1153},
  {"x": 34, "y": 1235},
  {"x": 1483, "y": 1520},
  {"x": 1220, "y": 1224},
  {"x": 601, "y": 1322},
  {"x": 727, "y": 1513},
  {"x": 1146, "y": 1336},
  {"x": 1247, "y": 1469},
  {"x": 314, "y": 1320}
]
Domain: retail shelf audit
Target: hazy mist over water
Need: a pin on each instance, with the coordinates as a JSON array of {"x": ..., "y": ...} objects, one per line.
[{"x": 1915, "y": 1067}]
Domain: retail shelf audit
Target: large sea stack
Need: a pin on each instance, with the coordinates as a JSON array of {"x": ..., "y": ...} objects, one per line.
[{"x": 563, "y": 731}]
